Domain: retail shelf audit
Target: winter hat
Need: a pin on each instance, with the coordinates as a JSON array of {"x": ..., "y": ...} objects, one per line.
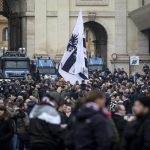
[
  {"x": 2, "y": 108},
  {"x": 48, "y": 99},
  {"x": 144, "y": 100}
]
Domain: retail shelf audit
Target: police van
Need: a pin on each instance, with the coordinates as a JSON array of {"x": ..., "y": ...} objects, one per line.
[
  {"x": 45, "y": 65},
  {"x": 95, "y": 63},
  {"x": 14, "y": 64}
]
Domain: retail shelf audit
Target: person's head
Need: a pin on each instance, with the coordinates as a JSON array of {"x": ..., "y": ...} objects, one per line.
[
  {"x": 80, "y": 102},
  {"x": 83, "y": 82},
  {"x": 68, "y": 109},
  {"x": 10, "y": 104},
  {"x": 25, "y": 105},
  {"x": 117, "y": 98},
  {"x": 29, "y": 77},
  {"x": 12, "y": 96},
  {"x": 62, "y": 108},
  {"x": 142, "y": 106},
  {"x": 77, "y": 83},
  {"x": 96, "y": 97},
  {"x": 20, "y": 97},
  {"x": 20, "y": 105},
  {"x": 3, "y": 112},
  {"x": 37, "y": 86},
  {"x": 17, "y": 82},
  {"x": 113, "y": 98},
  {"x": 125, "y": 97},
  {"x": 120, "y": 109},
  {"x": 49, "y": 99},
  {"x": 1, "y": 102},
  {"x": 59, "y": 89},
  {"x": 34, "y": 99}
]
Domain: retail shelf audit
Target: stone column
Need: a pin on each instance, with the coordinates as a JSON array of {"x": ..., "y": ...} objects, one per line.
[
  {"x": 30, "y": 5},
  {"x": 30, "y": 36},
  {"x": 15, "y": 32},
  {"x": 63, "y": 25},
  {"x": 40, "y": 27},
  {"x": 24, "y": 31},
  {"x": 121, "y": 26}
]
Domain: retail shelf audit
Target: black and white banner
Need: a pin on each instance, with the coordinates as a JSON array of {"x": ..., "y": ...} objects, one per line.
[{"x": 73, "y": 66}]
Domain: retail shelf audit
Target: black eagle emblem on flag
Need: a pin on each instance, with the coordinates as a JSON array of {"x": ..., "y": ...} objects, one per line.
[{"x": 72, "y": 47}]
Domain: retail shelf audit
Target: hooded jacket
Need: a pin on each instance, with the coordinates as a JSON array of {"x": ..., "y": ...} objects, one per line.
[
  {"x": 137, "y": 134},
  {"x": 45, "y": 128},
  {"x": 92, "y": 130},
  {"x": 6, "y": 133}
]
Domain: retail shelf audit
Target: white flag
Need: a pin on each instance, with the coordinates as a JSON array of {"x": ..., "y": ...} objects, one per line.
[{"x": 73, "y": 66}]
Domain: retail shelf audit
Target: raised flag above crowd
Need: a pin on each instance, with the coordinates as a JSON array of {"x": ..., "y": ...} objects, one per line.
[{"x": 73, "y": 66}]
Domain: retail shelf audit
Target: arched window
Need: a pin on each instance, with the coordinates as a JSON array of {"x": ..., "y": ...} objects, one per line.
[{"x": 5, "y": 34}]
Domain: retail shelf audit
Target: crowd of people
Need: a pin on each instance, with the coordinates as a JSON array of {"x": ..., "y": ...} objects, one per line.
[{"x": 111, "y": 111}]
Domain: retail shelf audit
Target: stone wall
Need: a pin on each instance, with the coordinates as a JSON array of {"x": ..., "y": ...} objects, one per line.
[
  {"x": 3, "y": 25},
  {"x": 48, "y": 24},
  {"x": 147, "y": 2}
]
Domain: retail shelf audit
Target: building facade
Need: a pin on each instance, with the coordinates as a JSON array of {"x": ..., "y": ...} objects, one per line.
[
  {"x": 43, "y": 27},
  {"x": 3, "y": 32}
]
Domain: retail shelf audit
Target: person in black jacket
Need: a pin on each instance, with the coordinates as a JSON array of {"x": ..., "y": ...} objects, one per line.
[
  {"x": 137, "y": 132},
  {"x": 66, "y": 116},
  {"x": 92, "y": 129},
  {"x": 6, "y": 130},
  {"x": 22, "y": 126},
  {"x": 45, "y": 129},
  {"x": 118, "y": 118},
  {"x": 120, "y": 122}
]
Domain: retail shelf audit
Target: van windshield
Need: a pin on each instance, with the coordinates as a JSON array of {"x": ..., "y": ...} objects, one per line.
[
  {"x": 16, "y": 64},
  {"x": 45, "y": 63}
]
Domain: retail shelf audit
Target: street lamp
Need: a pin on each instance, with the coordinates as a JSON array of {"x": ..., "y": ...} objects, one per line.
[
  {"x": 114, "y": 57},
  {"x": 4, "y": 49}
]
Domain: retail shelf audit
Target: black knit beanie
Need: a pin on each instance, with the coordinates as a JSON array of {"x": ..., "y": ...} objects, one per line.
[{"x": 144, "y": 100}]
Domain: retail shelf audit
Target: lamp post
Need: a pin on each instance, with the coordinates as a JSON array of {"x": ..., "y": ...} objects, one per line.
[
  {"x": 114, "y": 57},
  {"x": 4, "y": 49}
]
